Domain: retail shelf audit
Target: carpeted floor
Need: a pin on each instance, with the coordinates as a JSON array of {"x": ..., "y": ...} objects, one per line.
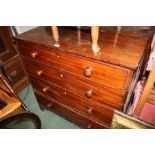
[{"x": 49, "y": 120}]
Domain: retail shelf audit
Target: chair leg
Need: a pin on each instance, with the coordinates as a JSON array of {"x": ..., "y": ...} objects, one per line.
[
  {"x": 147, "y": 88},
  {"x": 95, "y": 35},
  {"x": 55, "y": 35}
]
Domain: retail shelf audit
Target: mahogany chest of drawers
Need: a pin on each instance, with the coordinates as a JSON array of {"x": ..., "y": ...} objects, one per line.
[{"x": 71, "y": 81}]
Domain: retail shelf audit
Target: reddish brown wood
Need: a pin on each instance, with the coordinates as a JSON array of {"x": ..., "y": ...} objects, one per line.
[
  {"x": 95, "y": 111},
  {"x": 39, "y": 72},
  {"x": 89, "y": 110},
  {"x": 88, "y": 71},
  {"x": 11, "y": 59},
  {"x": 89, "y": 125},
  {"x": 14, "y": 69},
  {"x": 68, "y": 113},
  {"x": 77, "y": 85},
  {"x": 45, "y": 89},
  {"x": 34, "y": 54},
  {"x": 127, "y": 51},
  {"x": 89, "y": 93},
  {"x": 82, "y": 86},
  {"x": 78, "y": 66}
]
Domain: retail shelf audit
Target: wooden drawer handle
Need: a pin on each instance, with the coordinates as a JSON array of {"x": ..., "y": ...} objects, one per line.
[
  {"x": 34, "y": 54},
  {"x": 88, "y": 71},
  {"x": 39, "y": 72},
  {"x": 61, "y": 75},
  {"x": 89, "y": 93},
  {"x": 49, "y": 105},
  {"x": 89, "y": 110},
  {"x": 45, "y": 89},
  {"x": 89, "y": 126}
]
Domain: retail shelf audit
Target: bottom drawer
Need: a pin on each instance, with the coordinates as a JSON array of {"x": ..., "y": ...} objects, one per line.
[{"x": 68, "y": 113}]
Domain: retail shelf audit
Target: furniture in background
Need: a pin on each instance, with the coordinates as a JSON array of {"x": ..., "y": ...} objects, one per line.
[
  {"x": 145, "y": 108},
  {"x": 11, "y": 60},
  {"x": 144, "y": 114},
  {"x": 141, "y": 113},
  {"x": 78, "y": 85},
  {"x": 12, "y": 110},
  {"x": 123, "y": 121}
]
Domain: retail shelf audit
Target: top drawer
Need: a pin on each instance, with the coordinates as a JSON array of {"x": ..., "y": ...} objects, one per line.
[{"x": 106, "y": 74}]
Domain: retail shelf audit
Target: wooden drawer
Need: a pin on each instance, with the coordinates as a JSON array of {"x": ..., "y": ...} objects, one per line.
[
  {"x": 95, "y": 111},
  {"x": 106, "y": 74},
  {"x": 68, "y": 113},
  {"x": 85, "y": 88},
  {"x": 14, "y": 69}
]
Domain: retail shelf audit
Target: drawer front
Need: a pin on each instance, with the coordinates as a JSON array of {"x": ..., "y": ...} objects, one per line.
[
  {"x": 15, "y": 70},
  {"x": 108, "y": 75},
  {"x": 77, "y": 85},
  {"x": 92, "y": 110},
  {"x": 68, "y": 113}
]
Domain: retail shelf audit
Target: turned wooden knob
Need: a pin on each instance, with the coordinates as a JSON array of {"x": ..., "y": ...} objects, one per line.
[
  {"x": 61, "y": 75},
  {"x": 89, "y": 126},
  {"x": 89, "y": 110},
  {"x": 39, "y": 72},
  {"x": 45, "y": 89},
  {"x": 88, "y": 71},
  {"x": 49, "y": 105},
  {"x": 89, "y": 93},
  {"x": 34, "y": 54}
]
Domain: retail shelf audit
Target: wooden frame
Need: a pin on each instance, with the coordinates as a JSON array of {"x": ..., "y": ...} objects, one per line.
[
  {"x": 13, "y": 101},
  {"x": 147, "y": 89},
  {"x": 122, "y": 121}
]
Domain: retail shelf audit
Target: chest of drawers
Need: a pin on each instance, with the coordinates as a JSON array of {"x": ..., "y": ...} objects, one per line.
[{"x": 71, "y": 81}]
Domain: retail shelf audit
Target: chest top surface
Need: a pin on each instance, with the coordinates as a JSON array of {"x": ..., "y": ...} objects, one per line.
[{"x": 122, "y": 49}]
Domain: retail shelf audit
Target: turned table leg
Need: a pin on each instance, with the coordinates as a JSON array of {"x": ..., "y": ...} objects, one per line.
[
  {"x": 55, "y": 35},
  {"x": 95, "y": 35}
]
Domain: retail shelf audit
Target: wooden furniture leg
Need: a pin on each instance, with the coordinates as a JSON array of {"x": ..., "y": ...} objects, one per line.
[
  {"x": 95, "y": 35},
  {"x": 148, "y": 86},
  {"x": 55, "y": 35}
]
